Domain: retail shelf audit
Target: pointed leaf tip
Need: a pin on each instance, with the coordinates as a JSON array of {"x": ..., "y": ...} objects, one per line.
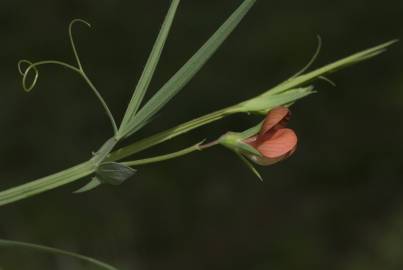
[
  {"x": 250, "y": 166},
  {"x": 189, "y": 70},
  {"x": 94, "y": 183},
  {"x": 149, "y": 69}
]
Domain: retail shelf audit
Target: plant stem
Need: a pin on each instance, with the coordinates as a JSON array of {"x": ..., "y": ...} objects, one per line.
[
  {"x": 46, "y": 183},
  {"x": 196, "y": 147},
  {"x": 87, "y": 168},
  {"x": 8, "y": 243},
  {"x": 170, "y": 133}
]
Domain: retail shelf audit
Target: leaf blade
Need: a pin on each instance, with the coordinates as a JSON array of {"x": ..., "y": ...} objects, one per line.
[
  {"x": 150, "y": 66},
  {"x": 250, "y": 166},
  {"x": 191, "y": 67},
  {"x": 332, "y": 67},
  {"x": 92, "y": 184}
]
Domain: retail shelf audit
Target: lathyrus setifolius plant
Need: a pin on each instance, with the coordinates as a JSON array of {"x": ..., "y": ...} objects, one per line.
[{"x": 109, "y": 165}]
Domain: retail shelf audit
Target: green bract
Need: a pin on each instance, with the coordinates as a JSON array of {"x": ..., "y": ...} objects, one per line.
[{"x": 234, "y": 141}]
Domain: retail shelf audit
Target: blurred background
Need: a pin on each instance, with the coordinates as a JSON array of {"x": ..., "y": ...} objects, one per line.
[{"x": 336, "y": 204}]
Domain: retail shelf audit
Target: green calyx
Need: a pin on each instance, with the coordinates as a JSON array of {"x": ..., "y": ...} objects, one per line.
[{"x": 235, "y": 142}]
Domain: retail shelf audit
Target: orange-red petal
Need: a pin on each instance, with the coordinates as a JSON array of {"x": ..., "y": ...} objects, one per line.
[
  {"x": 273, "y": 118},
  {"x": 280, "y": 144}
]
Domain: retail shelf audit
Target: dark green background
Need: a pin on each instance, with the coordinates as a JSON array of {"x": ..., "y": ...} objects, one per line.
[{"x": 336, "y": 204}]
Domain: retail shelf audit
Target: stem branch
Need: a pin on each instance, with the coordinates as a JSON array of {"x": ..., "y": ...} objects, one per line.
[
  {"x": 169, "y": 134},
  {"x": 196, "y": 147},
  {"x": 46, "y": 183}
]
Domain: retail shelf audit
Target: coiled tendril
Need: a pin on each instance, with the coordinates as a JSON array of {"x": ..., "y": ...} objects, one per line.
[
  {"x": 312, "y": 61},
  {"x": 24, "y": 74},
  {"x": 25, "y": 68}
]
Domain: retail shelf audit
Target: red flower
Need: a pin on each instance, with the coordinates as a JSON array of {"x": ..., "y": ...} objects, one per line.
[{"x": 275, "y": 142}]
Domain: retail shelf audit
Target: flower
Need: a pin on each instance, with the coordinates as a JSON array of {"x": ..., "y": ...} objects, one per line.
[
  {"x": 274, "y": 141},
  {"x": 264, "y": 144}
]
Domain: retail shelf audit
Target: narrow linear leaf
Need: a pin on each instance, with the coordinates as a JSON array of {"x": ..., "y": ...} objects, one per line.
[
  {"x": 55, "y": 251},
  {"x": 268, "y": 101},
  {"x": 251, "y": 131},
  {"x": 246, "y": 148},
  {"x": 333, "y": 67},
  {"x": 166, "y": 135},
  {"x": 151, "y": 65},
  {"x": 93, "y": 184},
  {"x": 250, "y": 166},
  {"x": 187, "y": 72}
]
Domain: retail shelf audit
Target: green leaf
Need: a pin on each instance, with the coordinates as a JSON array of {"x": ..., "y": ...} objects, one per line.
[
  {"x": 188, "y": 71},
  {"x": 268, "y": 101},
  {"x": 150, "y": 67},
  {"x": 233, "y": 141},
  {"x": 55, "y": 251},
  {"x": 250, "y": 166},
  {"x": 246, "y": 148},
  {"x": 104, "y": 150},
  {"x": 250, "y": 132},
  {"x": 114, "y": 173},
  {"x": 333, "y": 67},
  {"x": 94, "y": 183}
]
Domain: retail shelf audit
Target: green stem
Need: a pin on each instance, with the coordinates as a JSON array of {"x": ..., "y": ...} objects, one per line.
[
  {"x": 46, "y": 183},
  {"x": 17, "y": 244},
  {"x": 196, "y": 147},
  {"x": 87, "y": 168},
  {"x": 170, "y": 133}
]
